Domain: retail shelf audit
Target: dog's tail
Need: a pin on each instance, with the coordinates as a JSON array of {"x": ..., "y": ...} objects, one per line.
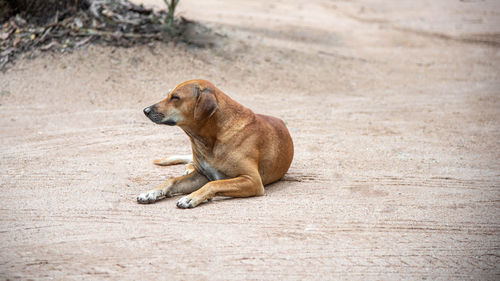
[{"x": 174, "y": 160}]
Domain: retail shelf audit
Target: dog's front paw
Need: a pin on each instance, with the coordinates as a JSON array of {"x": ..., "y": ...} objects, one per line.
[
  {"x": 185, "y": 202},
  {"x": 188, "y": 202},
  {"x": 149, "y": 197}
]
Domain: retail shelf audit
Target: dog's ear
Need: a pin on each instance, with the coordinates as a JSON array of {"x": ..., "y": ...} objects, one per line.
[{"x": 206, "y": 104}]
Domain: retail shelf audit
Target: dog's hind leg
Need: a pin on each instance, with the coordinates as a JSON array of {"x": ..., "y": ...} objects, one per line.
[
  {"x": 174, "y": 160},
  {"x": 189, "y": 168}
]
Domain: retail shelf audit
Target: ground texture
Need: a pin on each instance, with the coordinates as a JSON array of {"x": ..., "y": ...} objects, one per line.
[{"x": 394, "y": 108}]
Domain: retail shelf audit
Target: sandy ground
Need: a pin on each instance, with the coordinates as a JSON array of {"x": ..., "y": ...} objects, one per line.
[{"x": 394, "y": 108}]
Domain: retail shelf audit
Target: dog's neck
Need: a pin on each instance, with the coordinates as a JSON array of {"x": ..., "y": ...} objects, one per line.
[
  {"x": 219, "y": 125},
  {"x": 200, "y": 137}
]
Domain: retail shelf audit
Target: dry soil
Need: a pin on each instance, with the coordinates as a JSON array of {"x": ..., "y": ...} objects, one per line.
[{"x": 394, "y": 108}]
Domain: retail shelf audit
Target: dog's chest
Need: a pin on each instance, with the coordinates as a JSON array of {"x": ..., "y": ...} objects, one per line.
[{"x": 211, "y": 173}]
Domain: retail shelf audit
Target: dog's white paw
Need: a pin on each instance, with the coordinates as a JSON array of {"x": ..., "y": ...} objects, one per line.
[
  {"x": 188, "y": 171},
  {"x": 149, "y": 197},
  {"x": 187, "y": 202}
]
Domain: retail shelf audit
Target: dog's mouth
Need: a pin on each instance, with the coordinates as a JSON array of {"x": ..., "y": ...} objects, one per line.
[
  {"x": 169, "y": 122},
  {"x": 158, "y": 117}
]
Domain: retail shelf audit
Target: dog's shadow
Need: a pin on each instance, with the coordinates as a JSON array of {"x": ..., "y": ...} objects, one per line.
[{"x": 276, "y": 187}]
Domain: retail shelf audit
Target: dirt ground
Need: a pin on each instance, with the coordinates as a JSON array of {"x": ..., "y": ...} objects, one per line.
[{"x": 394, "y": 108}]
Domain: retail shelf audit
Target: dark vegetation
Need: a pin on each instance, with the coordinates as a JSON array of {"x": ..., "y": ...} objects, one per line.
[{"x": 33, "y": 26}]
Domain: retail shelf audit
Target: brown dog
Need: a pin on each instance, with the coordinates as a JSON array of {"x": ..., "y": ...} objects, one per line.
[{"x": 235, "y": 152}]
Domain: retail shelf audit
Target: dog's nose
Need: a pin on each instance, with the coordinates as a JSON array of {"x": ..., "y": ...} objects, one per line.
[{"x": 147, "y": 110}]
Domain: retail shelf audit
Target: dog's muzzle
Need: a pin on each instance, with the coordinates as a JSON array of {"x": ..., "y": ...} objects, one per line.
[
  {"x": 157, "y": 117},
  {"x": 147, "y": 110}
]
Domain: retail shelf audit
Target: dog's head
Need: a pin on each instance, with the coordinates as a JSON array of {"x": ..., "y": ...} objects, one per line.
[{"x": 189, "y": 103}]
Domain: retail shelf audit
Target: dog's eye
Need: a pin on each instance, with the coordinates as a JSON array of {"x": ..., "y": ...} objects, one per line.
[{"x": 174, "y": 97}]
